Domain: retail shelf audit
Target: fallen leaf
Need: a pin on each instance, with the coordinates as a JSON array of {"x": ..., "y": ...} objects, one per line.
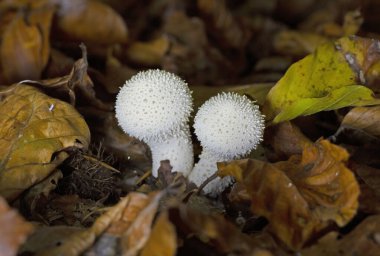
[
  {"x": 330, "y": 78},
  {"x": 365, "y": 119},
  {"x": 163, "y": 239},
  {"x": 129, "y": 220},
  {"x": 369, "y": 181},
  {"x": 76, "y": 20},
  {"x": 135, "y": 237},
  {"x": 286, "y": 140},
  {"x": 77, "y": 81},
  {"x": 365, "y": 238},
  {"x": 14, "y": 230},
  {"x": 35, "y": 132},
  {"x": 25, "y": 45},
  {"x": 47, "y": 237},
  {"x": 213, "y": 230},
  {"x": 311, "y": 190}
]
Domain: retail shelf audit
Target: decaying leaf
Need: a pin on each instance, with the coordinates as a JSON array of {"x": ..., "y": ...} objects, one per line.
[
  {"x": 364, "y": 239},
  {"x": 77, "y": 80},
  {"x": 310, "y": 191},
  {"x": 76, "y": 22},
  {"x": 330, "y": 78},
  {"x": 369, "y": 181},
  {"x": 14, "y": 230},
  {"x": 25, "y": 45},
  {"x": 163, "y": 239},
  {"x": 214, "y": 230},
  {"x": 286, "y": 140},
  {"x": 365, "y": 119},
  {"x": 129, "y": 221},
  {"x": 35, "y": 132}
]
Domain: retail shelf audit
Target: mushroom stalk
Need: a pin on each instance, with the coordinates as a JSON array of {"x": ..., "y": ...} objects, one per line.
[
  {"x": 178, "y": 149},
  {"x": 205, "y": 168}
]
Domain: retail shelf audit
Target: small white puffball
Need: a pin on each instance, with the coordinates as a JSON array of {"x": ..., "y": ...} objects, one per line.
[
  {"x": 152, "y": 104},
  {"x": 178, "y": 149},
  {"x": 228, "y": 126}
]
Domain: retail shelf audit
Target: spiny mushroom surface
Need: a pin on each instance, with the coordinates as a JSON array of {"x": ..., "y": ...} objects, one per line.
[
  {"x": 154, "y": 106},
  {"x": 228, "y": 126}
]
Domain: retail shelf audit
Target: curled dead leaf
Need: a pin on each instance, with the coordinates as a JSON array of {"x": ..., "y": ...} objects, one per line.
[
  {"x": 35, "y": 131},
  {"x": 301, "y": 196}
]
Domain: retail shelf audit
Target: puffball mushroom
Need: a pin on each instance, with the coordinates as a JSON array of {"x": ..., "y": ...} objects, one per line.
[
  {"x": 154, "y": 106},
  {"x": 228, "y": 126}
]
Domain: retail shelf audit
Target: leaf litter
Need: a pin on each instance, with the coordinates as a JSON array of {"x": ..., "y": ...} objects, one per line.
[{"x": 83, "y": 187}]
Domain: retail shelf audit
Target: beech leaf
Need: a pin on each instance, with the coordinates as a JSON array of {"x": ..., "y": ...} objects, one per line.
[
  {"x": 310, "y": 190},
  {"x": 331, "y": 78},
  {"x": 35, "y": 130}
]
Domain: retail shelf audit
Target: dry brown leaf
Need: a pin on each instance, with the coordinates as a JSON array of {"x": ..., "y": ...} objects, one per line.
[
  {"x": 25, "y": 46},
  {"x": 163, "y": 239},
  {"x": 130, "y": 220},
  {"x": 300, "y": 196},
  {"x": 35, "y": 130},
  {"x": 14, "y": 230},
  {"x": 369, "y": 180},
  {"x": 286, "y": 140},
  {"x": 137, "y": 234},
  {"x": 77, "y": 81},
  {"x": 47, "y": 237},
  {"x": 365, "y": 119},
  {"x": 77, "y": 19},
  {"x": 363, "y": 240},
  {"x": 214, "y": 230}
]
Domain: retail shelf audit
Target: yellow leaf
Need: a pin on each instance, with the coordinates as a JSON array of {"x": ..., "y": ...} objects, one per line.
[
  {"x": 330, "y": 78},
  {"x": 34, "y": 132},
  {"x": 301, "y": 196}
]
